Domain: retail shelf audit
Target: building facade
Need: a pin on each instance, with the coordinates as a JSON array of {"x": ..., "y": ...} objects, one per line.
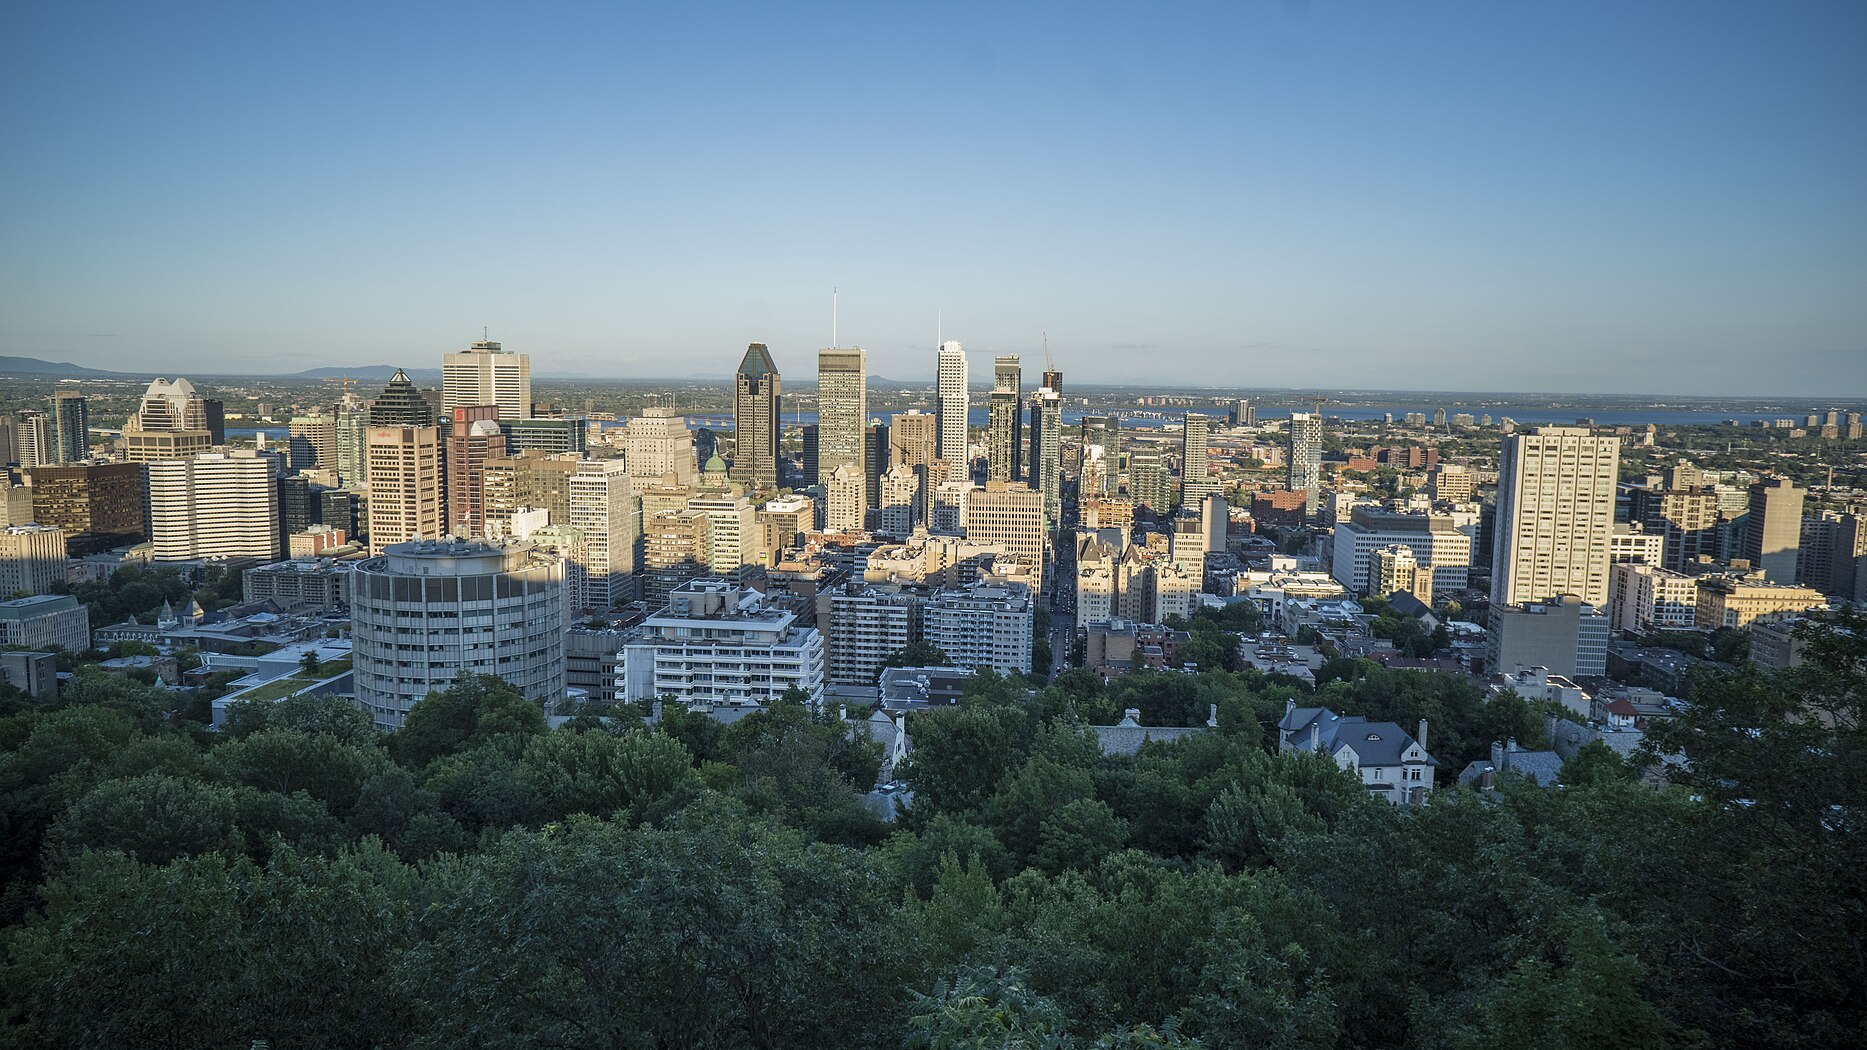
[
  {"x": 215, "y": 505},
  {"x": 425, "y": 613},
  {"x": 1555, "y": 514},
  {"x": 487, "y": 374},
  {"x": 755, "y": 419}
]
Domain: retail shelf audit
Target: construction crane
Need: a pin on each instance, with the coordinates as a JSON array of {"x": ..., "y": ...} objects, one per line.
[{"x": 1318, "y": 400}]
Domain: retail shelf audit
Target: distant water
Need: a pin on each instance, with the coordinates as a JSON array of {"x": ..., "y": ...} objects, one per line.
[{"x": 1145, "y": 419}]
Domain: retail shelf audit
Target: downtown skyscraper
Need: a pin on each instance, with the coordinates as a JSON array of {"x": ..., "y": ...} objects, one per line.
[
  {"x": 755, "y": 419},
  {"x": 1046, "y": 455},
  {"x": 954, "y": 401},
  {"x": 1195, "y": 473},
  {"x": 842, "y": 411},
  {"x": 485, "y": 374},
  {"x": 1004, "y": 425}
]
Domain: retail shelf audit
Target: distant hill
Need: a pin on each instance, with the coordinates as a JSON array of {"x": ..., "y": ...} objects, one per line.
[{"x": 32, "y": 366}]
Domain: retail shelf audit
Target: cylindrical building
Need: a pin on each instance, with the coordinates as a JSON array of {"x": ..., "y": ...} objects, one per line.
[{"x": 425, "y": 613}]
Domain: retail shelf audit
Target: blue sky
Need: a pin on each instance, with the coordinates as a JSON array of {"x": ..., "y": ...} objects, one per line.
[{"x": 1613, "y": 197}]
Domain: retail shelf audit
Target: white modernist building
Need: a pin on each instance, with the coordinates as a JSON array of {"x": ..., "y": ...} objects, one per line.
[
  {"x": 214, "y": 505},
  {"x": 953, "y": 404},
  {"x": 427, "y": 612},
  {"x": 715, "y": 642},
  {"x": 485, "y": 374}
]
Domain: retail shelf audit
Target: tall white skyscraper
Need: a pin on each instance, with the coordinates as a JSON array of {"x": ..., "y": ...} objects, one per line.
[
  {"x": 953, "y": 404},
  {"x": 1555, "y": 516},
  {"x": 484, "y": 374}
]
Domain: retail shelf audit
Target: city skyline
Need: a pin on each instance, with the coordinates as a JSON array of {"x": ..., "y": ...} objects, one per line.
[{"x": 1292, "y": 195}]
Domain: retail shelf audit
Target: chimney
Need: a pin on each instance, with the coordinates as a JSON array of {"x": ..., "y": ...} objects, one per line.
[
  {"x": 1497, "y": 754},
  {"x": 1290, "y": 704},
  {"x": 1212, "y": 715},
  {"x": 1422, "y": 737},
  {"x": 1315, "y": 735}
]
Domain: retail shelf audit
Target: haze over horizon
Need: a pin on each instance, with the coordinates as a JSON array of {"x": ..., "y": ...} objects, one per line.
[{"x": 1588, "y": 199}]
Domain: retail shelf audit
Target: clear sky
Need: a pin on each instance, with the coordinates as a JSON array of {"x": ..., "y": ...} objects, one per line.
[{"x": 1560, "y": 196}]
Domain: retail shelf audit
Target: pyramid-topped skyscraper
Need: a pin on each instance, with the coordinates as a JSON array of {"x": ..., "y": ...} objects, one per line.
[{"x": 755, "y": 420}]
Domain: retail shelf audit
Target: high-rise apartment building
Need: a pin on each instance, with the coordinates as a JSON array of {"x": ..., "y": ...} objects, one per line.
[
  {"x": 604, "y": 508},
  {"x": 982, "y": 626},
  {"x": 485, "y": 374},
  {"x": 1004, "y": 442},
  {"x": 845, "y": 500},
  {"x": 1774, "y": 532},
  {"x": 214, "y": 505},
  {"x": 423, "y": 614},
  {"x": 755, "y": 420},
  {"x": 1244, "y": 414},
  {"x": 899, "y": 509},
  {"x": 1148, "y": 479},
  {"x": 36, "y": 439},
  {"x": 1305, "y": 463},
  {"x": 352, "y": 438},
  {"x": 1011, "y": 515},
  {"x": 71, "y": 424},
  {"x": 658, "y": 442},
  {"x": 863, "y": 626},
  {"x": 953, "y": 403},
  {"x": 171, "y": 422},
  {"x": 1195, "y": 473},
  {"x": 473, "y": 439},
  {"x": 1686, "y": 519},
  {"x": 99, "y": 505},
  {"x": 1046, "y": 455},
  {"x": 1555, "y": 515},
  {"x": 676, "y": 549},
  {"x": 842, "y": 411}
]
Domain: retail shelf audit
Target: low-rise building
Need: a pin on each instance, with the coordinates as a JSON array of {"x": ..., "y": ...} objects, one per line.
[
  {"x": 1564, "y": 634},
  {"x": 1391, "y": 763},
  {"x": 300, "y": 584},
  {"x": 715, "y": 643},
  {"x": 1729, "y": 602},
  {"x": 45, "y": 620}
]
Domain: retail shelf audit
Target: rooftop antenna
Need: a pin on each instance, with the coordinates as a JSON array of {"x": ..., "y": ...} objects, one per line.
[
  {"x": 485, "y": 336},
  {"x": 832, "y": 318},
  {"x": 939, "y": 329}
]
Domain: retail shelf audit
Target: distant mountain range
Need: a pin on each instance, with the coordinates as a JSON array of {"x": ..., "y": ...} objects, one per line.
[{"x": 32, "y": 366}]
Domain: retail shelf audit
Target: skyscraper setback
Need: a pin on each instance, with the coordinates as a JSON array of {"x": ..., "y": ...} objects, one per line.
[
  {"x": 755, "y": 419},
  {"x": 842, "y": 411},
  {"x": 1004, "y": 422},
  {"x": 486, "y": 374},
  {"x": 953, "y": 404}
]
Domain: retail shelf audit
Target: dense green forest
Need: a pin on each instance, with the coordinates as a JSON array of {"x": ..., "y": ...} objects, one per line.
[{"x": 478, "y": 880}]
